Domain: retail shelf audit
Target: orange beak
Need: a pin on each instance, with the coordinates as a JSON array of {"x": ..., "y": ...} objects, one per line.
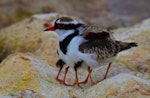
[{"x": 52, "y": 28}]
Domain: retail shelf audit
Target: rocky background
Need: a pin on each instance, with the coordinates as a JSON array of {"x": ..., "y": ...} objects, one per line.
[{"x": 28, "y": 54}]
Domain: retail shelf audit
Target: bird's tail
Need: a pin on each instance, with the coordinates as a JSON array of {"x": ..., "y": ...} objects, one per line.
[{"x": 126, "y": 45}]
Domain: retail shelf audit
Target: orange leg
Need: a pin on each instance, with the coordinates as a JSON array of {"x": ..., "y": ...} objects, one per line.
[
  {"x": 77, "y": 81},
  {"x": 57, "y": 77},
  {"x": 89, "y": 75},
  {"x": 86, "y": 79},
  {"x": 77, "y": 65},
  {"x": 92, "y": 82},
  {"x": 105, "y": 76},
  {"x": 66, "y": 71},
  {"x": 64, "y": 79}
]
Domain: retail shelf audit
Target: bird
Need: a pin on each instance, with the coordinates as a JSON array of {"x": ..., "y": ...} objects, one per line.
[{"x": 85, "y": 46}]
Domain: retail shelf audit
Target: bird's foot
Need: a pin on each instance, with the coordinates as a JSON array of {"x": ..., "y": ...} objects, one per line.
[
  {"x": 59, "y": 80},
  {"x": 94, "y": 83},
  {"x": 66, "y": 84},
  {"x": 63, "y": 82},
  {"x": 78, "y": 84}
]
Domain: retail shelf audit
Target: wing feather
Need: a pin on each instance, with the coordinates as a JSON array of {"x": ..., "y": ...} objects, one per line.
[
  {"x": 96, "y": 36},
  {"x": 94, "y": 33},
  {"x": 103, "y": 48},
  {"x": 99, "y": 41}
]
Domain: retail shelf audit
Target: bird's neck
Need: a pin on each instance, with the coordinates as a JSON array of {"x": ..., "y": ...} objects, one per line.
[{"x": 64, "y": 33}]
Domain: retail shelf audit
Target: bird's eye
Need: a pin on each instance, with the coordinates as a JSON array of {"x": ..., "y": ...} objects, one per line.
[{"x": 60, "y": 26}]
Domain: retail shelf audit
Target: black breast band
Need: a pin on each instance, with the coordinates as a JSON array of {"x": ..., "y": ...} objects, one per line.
[{"x": 63, "y": 44}]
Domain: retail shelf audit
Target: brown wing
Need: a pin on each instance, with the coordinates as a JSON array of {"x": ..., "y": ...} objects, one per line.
[
  {"x": 96, "y": 36},
  {"x": 103, "y": 48},
  {"x": 94, "y": 33},
  {"x": 100, "y": 43}
]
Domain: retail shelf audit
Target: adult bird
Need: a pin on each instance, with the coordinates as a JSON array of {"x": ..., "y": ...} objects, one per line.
[{"x": 85, "y": 46}]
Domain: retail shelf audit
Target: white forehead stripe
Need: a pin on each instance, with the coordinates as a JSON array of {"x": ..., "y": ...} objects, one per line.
[{"x": 71, "y": 22}]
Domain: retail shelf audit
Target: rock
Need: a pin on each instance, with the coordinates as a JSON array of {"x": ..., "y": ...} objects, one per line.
[
  {"x": 120, "y": 86},
  {"x": 26, "y": 94},
  {"x": 28, "y": 36},
  {"x": 21, "y": 72},
  {"x": 24, "y": 75},
  {"x": 139, "y": 57}
]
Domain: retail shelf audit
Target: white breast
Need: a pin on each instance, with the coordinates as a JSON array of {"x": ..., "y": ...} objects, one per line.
[{"x": 73, "y": 54}]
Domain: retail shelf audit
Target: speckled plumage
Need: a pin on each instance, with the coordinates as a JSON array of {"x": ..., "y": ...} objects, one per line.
[{"x": 104, "y": 46}]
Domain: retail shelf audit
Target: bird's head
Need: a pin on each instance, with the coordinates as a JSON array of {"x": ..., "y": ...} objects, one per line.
[{"x": 64, "y": 24}]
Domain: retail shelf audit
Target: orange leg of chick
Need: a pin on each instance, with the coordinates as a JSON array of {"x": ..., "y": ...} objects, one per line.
[
  {"x": 57, "y": 77},
  {"x": 64, "y": 79},
  {"x": 77, "y": 81},
  {"x": 92, "y": 82},
  {"x": 77, "y": 65},
  {"x": 85, "y": 81},
  {"x": 89, "y": 75},
  {"x": 66, "y": 71}
]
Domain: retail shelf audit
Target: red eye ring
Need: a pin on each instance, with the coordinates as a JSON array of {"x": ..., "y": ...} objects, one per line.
[{"x": 60, "y": 26}]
